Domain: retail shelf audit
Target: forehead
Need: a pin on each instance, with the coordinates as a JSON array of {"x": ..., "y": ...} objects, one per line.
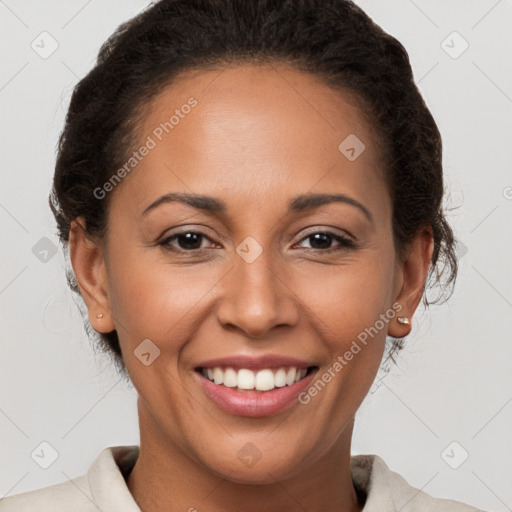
[{"x": 254, "y": 133}]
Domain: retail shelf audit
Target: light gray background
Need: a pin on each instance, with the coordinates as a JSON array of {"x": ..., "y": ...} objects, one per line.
[{"x": 453, "y": 382}]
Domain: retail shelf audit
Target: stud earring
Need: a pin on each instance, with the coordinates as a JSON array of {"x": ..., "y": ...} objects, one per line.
[
  {"x": 99, "y": 316},
  {"x": 403, "y": 320}
]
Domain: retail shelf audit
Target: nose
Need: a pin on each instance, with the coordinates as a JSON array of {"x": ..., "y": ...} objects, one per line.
[{"x": 257, "y": 296}]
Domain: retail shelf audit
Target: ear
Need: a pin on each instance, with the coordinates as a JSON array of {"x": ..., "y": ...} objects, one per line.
[
  {"x": 87, "y": 260},
  {"x": 412, "y": 273}
]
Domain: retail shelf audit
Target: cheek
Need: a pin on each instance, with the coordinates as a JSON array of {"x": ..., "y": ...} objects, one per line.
[
  {"x": 349, "y": 298},
  {"x": 153, "y": 299},
  {"x": 348, "y": 308}
]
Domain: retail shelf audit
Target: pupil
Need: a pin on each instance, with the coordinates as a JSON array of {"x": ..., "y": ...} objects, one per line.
[
  {"x": 322, "y": 238},
  {"x": 191, "y": 241}
]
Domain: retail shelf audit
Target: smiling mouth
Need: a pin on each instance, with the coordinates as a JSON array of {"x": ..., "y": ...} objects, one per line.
[{"x": 263, "y": 380}]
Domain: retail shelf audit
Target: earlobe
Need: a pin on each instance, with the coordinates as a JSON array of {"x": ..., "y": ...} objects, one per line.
[
  {"x": 404, "y": 320},
  {"x": 401, "y": 325},
  {"x": 87, "y": 261},
  {"x": 414, "y": 270}
]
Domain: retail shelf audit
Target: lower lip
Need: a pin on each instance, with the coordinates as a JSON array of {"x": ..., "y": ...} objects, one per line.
[{"x": 254, "y": 403}]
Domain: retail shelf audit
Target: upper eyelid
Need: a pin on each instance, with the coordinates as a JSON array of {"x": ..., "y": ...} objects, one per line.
[
  {"x": 308, "y": 233},
  {"x": 329, "y": 230}
]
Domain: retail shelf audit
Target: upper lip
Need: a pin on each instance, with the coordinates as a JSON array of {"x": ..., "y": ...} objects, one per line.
[{"x": 255, "y": 363}]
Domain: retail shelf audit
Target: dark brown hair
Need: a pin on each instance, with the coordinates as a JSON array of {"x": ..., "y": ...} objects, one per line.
[{"x": 332, "y": 39}]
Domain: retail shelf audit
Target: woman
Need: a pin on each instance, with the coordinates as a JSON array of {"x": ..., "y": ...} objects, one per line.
[{"x": 251, "y": 194}]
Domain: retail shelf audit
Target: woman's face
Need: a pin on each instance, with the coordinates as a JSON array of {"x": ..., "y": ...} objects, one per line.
[{"x": 254, "y": 288}]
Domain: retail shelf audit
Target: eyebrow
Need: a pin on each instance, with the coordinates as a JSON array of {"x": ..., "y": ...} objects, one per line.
[{"x": 299, "y": 203}]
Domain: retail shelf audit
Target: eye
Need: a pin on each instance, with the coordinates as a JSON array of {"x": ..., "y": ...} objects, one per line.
[
  {"x": 321, "y": 240},
  {"x": 187, "y": 241}
]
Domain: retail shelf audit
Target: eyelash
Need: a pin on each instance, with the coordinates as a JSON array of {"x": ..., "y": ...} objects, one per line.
[{"x": 345, "y": 243}]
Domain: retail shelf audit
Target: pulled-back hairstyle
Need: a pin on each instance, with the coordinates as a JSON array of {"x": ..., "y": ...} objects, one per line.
[{"x": 331, "y": 39}]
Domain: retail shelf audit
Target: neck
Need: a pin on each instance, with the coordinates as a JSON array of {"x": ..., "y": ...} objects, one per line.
[{"x": 168, "y": 479}]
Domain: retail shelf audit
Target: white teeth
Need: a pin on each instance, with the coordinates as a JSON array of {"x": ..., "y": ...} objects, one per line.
[
  {"x": 218, "y": 376},
  {"x": 262, "y": 380},
  {"x": 246, "y": 379},
  {"x": 300, "y": 375},
  {"x": 230, "y": 379},
  {"x": 280, "y": 378},
  {"x": 290, "y": 376}
]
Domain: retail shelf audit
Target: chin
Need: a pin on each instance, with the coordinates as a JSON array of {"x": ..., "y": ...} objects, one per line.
[{"x": 253, "y": 468}]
